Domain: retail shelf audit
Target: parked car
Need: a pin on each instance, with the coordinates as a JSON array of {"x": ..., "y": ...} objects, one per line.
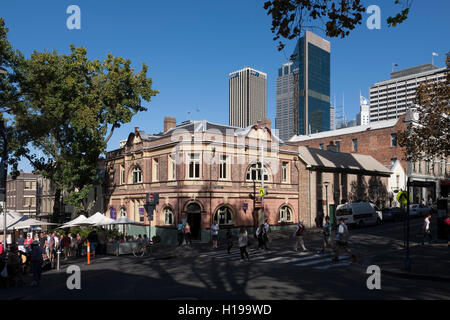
[
  {"x": 419, "y": 210},
  {"x": 393, "y": 214},
  {"x": 359, "y": 214}
]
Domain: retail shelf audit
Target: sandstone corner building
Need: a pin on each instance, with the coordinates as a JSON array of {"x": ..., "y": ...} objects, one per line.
[{"x": 205, "y": 171}]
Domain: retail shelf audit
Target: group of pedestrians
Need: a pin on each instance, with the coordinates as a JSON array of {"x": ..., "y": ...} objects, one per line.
[{"x": 184, "y": 234}]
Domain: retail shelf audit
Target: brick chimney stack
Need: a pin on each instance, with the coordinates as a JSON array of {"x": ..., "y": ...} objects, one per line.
[
  {"x": 169, "y": 123},
  {"x": 267, "y": 123}
]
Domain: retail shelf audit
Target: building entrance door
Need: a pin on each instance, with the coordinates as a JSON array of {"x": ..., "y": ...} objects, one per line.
[{"x": 194, "y": 215}]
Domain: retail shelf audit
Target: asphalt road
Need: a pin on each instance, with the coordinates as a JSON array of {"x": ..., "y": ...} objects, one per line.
[{"x": 217, "y": 276}]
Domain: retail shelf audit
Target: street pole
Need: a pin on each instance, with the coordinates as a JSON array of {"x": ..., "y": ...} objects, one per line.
[
  {"x": 407, "y": 258},
  {"x": 262, "y": 180},
  {"x": 326, "y": 194},
  {"x": 4, "y": 173}
]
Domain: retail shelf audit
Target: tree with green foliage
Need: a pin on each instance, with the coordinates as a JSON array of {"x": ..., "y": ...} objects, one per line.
[
  {"x": 68, "y": 107},
  {"x": 338, "y": 17},
  {"x": 427, "y": 136}
]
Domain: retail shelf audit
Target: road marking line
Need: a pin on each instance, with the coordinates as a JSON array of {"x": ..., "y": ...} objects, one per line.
[
  {"x": 340, "y": 264},
  {"x": 317, "y": 262}
]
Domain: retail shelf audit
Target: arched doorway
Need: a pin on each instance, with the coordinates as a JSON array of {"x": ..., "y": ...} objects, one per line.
[{"x": 194, "y": 218}]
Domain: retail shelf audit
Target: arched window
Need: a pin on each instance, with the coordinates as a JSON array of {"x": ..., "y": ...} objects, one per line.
[
  {"x": 123, "y": 212},
  {"x": 137, "y": 175},
  {"x": 224, "y": 215},
  {"x": 168, "y": 216},
  {"x": 285, "y": 214},
  {"x": 254, "y": 172}
]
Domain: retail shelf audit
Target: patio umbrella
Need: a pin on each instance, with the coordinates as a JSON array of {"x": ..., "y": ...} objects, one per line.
[
  {"x": 26, "y": 223},
  {"x": 105, "y": 221},
  {"x": 75, "y": 222},
  {"x": 125, "y": 220},
  {"x": 92, "y": 220}
]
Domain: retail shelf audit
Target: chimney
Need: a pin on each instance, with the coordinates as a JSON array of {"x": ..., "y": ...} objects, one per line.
[
  {"x": 332, "y": 147},
  {"x": 169, "y": 123},
  {"x": 267, "y": 123}
]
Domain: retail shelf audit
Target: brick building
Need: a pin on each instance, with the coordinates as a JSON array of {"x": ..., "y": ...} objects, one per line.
[
  {"x": 203, "y": 171},
  {"x": 21, "y": 193},
  {"x": 379, "y": 140}
]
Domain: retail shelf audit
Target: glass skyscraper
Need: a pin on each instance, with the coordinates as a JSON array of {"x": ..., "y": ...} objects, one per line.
[{"x": 312, "y": 98}]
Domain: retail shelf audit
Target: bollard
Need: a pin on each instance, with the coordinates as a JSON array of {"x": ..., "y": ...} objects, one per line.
[
  {"x": 88, "y": 253},
  {"x": 57, "y": 259}
]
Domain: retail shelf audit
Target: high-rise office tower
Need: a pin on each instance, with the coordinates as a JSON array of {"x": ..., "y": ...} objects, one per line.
[
  {"x": 248, "y": 97},
  {"x": 312, "y": 59},
  {"x": 332, "y": 112},
  {"x": 284, "y": 120},
  {"x": 363, "y": 117},
  {"x": 389, "y": 99}
]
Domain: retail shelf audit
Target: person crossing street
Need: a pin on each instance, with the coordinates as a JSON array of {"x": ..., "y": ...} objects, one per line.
[
  {"x": 342, "y": 241},
  {"x": 326, "y": 234},
  {"x": 298, "y": 234}
]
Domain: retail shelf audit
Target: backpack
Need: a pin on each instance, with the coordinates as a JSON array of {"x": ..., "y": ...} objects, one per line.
[{"x": 300, "y": 231}]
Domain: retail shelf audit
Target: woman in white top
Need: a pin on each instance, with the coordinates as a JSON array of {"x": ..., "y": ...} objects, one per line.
[
  {"x": 243, "y": 241},
  {"x": 215, "y": 233}
]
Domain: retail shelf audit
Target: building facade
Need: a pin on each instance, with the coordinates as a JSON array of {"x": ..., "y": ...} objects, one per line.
[
  {"x": 21, "y": 194},
  {"x": 312, "y": 59},
  {"x": 379, "y": 140},
  {"x": 284, "y": 121},
  {"x": 205, "y": 171},
  {"x": 247, "y": 97},
  {"x": 363, "y": 117},
  {"x": 390, "y": 99}
]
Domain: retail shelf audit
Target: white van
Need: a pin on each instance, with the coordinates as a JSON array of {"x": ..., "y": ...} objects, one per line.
[{"x": 358, "y": 213}]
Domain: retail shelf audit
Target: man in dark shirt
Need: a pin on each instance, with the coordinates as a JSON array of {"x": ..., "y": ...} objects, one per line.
[
  {"x": 42, "y": 240},
  {"x": 93, "y": 239},
  {"x": 21, "y": 243}
]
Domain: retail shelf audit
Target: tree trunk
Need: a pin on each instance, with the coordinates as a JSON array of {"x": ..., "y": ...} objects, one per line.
[{"x": 57, "y": 217}]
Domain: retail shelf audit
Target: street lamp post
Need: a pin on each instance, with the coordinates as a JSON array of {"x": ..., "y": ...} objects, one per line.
[{"x": 326, "y": 194}]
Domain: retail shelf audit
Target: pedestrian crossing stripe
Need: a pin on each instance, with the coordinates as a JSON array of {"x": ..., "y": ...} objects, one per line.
[
  {"x": 301, "y": 259},
  {"x": 310, "y": 263}
]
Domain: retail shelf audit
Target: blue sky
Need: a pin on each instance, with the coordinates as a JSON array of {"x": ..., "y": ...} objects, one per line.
[{"x": 192, "y": 46}]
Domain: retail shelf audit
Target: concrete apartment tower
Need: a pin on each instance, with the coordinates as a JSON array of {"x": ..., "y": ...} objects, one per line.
[
  {"x": 247, "y": 97},
  {"x": 391, "y": 98},
  {"x": 312, "y": 59}
]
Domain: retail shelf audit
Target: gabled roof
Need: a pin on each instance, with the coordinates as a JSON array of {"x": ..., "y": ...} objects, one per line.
[
  {"x": 338, "y": 132},
  {"x": 317, "y": 158},
  {"x": 202, "y": 126}
]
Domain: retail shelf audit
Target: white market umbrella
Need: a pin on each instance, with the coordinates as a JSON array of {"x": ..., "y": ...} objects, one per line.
[
  {"x": 75, "y": 222},
  {"x": 27, "y": 223},
  {"x": 125, "y": 220},
  {"x": 92, "y": 220},
  {"x": 105, "y": 222}
]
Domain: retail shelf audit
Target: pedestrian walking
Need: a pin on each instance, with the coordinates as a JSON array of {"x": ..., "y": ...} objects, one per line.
[
  {"x": 298, "y": 234},
  {"x": 187, "y": 234},
  {"x": 93, "y": 240},
  {"x": 326, "y": 234},
  {"x": 229, "y": 238},
  {"x": 342, "y": 241},
  {"x": 180, "y": 234},
  {"x": 243, "y": 241},
  {"x": 65, "y": 244},
  {"x": 27, "y": 243},
  {"x": 319, "y": 218},
  {"x": 21, "y": 243},
  {"x": 215, "y": 233},
  {"x": 426, "y": 230},
  {"x": 266, "y": 234},
  {"x": 262, "y": 236},
  {"x": 79, "y": 245},
  {"x": 36, "y": 262}
]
